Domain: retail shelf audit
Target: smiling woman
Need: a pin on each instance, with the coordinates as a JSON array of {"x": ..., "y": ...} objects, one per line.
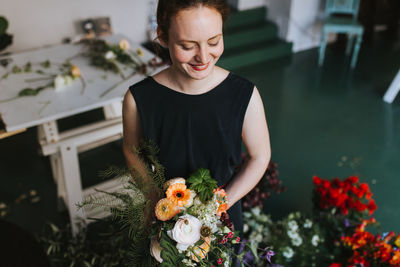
[{"x": 196, "y": 112}]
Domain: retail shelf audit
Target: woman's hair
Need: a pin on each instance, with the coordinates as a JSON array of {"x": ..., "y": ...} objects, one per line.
[{"x": 169, "y": 8}]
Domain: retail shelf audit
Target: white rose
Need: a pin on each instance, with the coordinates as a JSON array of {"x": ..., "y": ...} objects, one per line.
[
  {"x": 177, "y": 180},
  {"x": 110, "y": 55},
  {"x": 155, "y": 249},
  {"x": 186, "y": 231}
]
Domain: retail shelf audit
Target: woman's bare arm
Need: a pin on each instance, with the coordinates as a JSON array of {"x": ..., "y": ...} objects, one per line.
[
  {"x": 132, "y": 133},
  {"x": 256, "y": 139}
]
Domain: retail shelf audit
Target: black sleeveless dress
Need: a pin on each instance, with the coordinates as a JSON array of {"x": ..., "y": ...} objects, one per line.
[{"x": 196, "y": 131}]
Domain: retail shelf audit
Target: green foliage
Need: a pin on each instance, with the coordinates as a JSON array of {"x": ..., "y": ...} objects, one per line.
[
  {"x": 32, "y": 91},
  {"x": 3, "y": 25},
  {"x": 132, "y": 207},
  {"x": 202, "y": 182},
  {"x": 46, "y": 64},
  {"x": 5, "y": 39},
  {"x": 169, "y": 252},
  {"x": 101, "y": 244}
]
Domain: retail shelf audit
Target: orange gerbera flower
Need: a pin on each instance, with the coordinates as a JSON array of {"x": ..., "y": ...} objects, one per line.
[
  {"x": 222, "y": 208},
  {"x": 178, "y": 194},
  {"x": 165, "y": 209}
]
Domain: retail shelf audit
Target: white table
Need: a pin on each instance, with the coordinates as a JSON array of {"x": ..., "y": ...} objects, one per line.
[{"x": 48, "y": 106}]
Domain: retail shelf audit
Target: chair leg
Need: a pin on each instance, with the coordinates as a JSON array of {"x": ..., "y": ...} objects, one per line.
[
  {"x": 356, "y": 50},
  {"x": 322, "y": 50},
  {"x": 349, "y": 45}
]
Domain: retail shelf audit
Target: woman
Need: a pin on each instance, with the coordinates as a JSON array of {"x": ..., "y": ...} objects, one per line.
[{"x": 196, "y": 112}]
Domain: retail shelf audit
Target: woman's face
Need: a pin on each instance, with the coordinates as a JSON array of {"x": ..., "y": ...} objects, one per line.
[{"x": 195, "y": 41}]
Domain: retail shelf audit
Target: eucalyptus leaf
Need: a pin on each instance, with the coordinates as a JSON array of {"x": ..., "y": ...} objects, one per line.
[
  {"x": 28, "y": 92},
  {"x": 16, "y": 69},
  {"x": 28, "y": 67},
  {"x": 46, "y": 64}
]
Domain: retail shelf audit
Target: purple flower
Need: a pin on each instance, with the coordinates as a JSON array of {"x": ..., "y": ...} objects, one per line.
[
  {"x": 248, "y": 257},
  {"x": 346, "y": 222},
  {"x": 267, "y": 254}
]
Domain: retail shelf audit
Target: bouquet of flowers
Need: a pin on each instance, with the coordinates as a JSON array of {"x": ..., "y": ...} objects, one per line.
[
  {"x": 179, "y": 222},
  {"x": 191, "y": 230}
]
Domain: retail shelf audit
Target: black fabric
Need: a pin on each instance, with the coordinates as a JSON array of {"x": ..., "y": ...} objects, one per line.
[{"x": 196, "y": 131}]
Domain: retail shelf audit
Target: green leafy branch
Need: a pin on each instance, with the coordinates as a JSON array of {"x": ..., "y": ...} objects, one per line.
[{"x": 202, "y": 182}]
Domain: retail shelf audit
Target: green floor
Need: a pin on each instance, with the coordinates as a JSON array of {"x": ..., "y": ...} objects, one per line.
[{"x": 328, "y": 122}]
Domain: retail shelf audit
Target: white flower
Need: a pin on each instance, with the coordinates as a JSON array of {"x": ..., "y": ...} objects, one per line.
[
  {"x": 177, "y": 180},
  {"x": 226, "y": 230},
  {"x": 292, "y": 234},
  {"x": 197, "y": 201},
  {"x": 256, "y": 211},
  {"x": 263, "y": 218},
  {"x": 186, "y": 231},
  {"x": 315, "y": 240},
  {"x": 297, "y": 241},
  {"x": 245, "y": 228},
  {"x": 155, "y": 249},
  {"x": 189, "y": 262},
  {"x": 293, "y": 225},
  {"x": 60, "y": 82},
  {"x": 110, "y": 55},
  {"x": 288, "y": 252},
  {"x": 308, "y": 223}
]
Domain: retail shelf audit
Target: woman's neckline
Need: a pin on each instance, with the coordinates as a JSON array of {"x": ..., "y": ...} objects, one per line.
[{"x": 212, "y": 90}]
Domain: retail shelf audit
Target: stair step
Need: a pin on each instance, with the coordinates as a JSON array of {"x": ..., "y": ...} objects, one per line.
[
  {"x": 248, "y": 34},
  {"x": 254, "y": 53},
  {"x": 247, "y": 17}
]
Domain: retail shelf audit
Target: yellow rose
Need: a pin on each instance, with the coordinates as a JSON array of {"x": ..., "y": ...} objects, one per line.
[
  {"x": 75, "y": 72},
  {"x": 124, "y": 44}
]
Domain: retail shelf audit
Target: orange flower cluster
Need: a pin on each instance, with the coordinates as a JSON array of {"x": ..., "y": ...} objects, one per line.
[
  {"x": 222, "y": 199},
  {"x": 177, "y": 196},
  {"x": 368, "y": 248},
  {"x": 345, "y": 195}
]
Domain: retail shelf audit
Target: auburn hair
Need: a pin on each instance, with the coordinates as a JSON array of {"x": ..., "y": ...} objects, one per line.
[{"x": 167, "y": 9}]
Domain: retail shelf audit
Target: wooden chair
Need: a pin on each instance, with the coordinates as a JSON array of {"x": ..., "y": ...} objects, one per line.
[{"x": 341, "y": 17}]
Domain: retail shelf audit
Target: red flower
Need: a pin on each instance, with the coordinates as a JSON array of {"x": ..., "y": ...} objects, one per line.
[
  {"x": 230, "y": 235},
  {"x": 335, "y": 265},
  {"x": 352, "y": 179},
  {"x": 220, "y": 260},
  {"x": 238, "y": 239},
  {"x": 371, "y": 206},
  {"x": 317, "y": 180}
]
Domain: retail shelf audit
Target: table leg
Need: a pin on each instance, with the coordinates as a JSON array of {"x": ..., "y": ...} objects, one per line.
[
  {"x": 73, "y": 187},
  {"x": 113, "y": 110}
]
